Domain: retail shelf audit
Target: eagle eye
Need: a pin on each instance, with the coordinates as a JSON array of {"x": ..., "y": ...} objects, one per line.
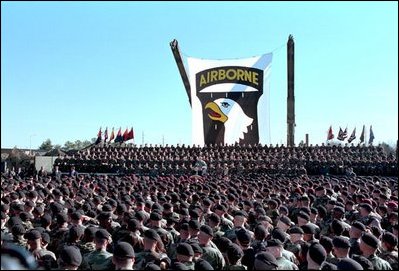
[{"x": 225, "y": 104}]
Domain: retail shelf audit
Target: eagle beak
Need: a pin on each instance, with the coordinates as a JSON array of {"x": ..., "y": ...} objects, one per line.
[{"x": 215, "y": 112}]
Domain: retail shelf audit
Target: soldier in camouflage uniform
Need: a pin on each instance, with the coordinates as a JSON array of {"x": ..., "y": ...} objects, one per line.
[
  {"x": 185, "y": 254},
  {"x": 275, "y": 247},
  {"x": 100, "y": 259},
  {"x": 18, "y": 232},
  {"x": 234, "y": 256},
  {"x": 369, "y": 245},
  {"x": 210, "y": 254},
  {"x": 153, "y": 251},
  {"x": 321, "y": 197},
  {"x": 389, "y": 246}
]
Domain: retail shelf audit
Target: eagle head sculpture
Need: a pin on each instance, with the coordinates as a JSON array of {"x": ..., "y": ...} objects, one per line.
[{"x": 230, "y": 113}]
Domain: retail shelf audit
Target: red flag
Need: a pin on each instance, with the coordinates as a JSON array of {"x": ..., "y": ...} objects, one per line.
[
  {"x": 125, "y": 135},
  {"x": 112, "y": 135},
  {"x": 130, "y": 135},
  {"x": 330, "y": 134}
]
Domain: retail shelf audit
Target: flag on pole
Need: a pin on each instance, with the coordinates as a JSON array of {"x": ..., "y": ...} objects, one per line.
[
  {"x": 112, "y": 135},
  {"x": 125, "y": 135},
  {"x": 362, "y": 136},
  {"x": 340, "y": 134},
  {"x": 371, "y": 136},
  {"x": 98, "y": 137},
  {"x": 345, "y": 133},
  {"x": 106, "y": 134},
  {"x": 130, "y": 135},
  {"x": 353, "y": 136},
  {"x": 119, "y": 137},
  {"x": 330, "y": 134}
]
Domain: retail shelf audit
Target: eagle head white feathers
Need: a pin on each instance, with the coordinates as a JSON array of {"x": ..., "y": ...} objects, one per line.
[{"x": 230, "y": 113}]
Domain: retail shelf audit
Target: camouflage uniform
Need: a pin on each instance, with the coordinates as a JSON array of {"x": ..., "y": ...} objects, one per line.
[
  {"x": 284, "y": 264},
  {"x": 86, "y": 248},
  {"x": 97, "y": 260},
  {"x": 391, "y": 257},
  {"x": 322, "y": 201},
  {"x": 145, "y": 257},
  {"x": 378, "y": 263},
  {"x": 214, "y": 257}
]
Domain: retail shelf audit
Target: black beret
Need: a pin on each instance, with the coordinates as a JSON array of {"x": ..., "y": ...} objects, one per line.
[
  {"x": 29, "y": 203},
  {"x": 221, "y": 207},
  {"x": 274, "y": 243},
  {"x": 76, "y": 215},
  {"x": 71, "y": 255},
  {"x": 76, "y": 231},
  {"x": 317, "y": 253},
  {"x": 184, "y": 227},
  {"x": 61, "y": 218},
  {"x": 234, "y": 253},
  {"x": 286, "y": 220},
  {"x": 295, "y": 230},
  {"x": 193, "y": 213},
  {"x": 194, "y": 224},
  {"x": 90, "y": 231},
  {"x": 206, "y": 229},
  {"x": 349, "y": 264},
  {"x": 390, "y": 239},
  {"x": 46, "y": 237},
  {"x": 308, "y": 229},
  {"x": 106, "y": 208},
  {"x": 243, "y": 236},
  {"x": 240, "y": 213},
  {"x": 102, "y": 234},
  {"x": 303, "y": 215},
  {"x": 279, "y": 234},
  {"x": 341, "y": 242},
  {"x": 152, "y": 234},
  {"x": 214, "y": 218},
  {"x": 359, "y": 225},
  {"x": 104, "y": 216},
  {"x": 370, "y": 240},
  {"x": 339, "y": 209},
  {"x": 326, "y": 242},
  {"x": 18, "y": 229},
  {"x": 224, "y": 243},
  {"x": 196, "y": 248},
  {"x": 155, "y": 216},
  {"x": 366, "y": 206},
  {"x": 203, "y": 265},
  {"x": 283, "y": 209},
  {"x": 33, "y": 235},
  {"x": 337, "y": 226},
  {"x": 263, "y": 261},
  {"x": 185, "y": 249},
  {"x": 124, "y": 250}
]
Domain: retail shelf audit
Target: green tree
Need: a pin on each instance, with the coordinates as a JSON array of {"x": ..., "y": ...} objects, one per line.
[{"x": 46, "y": 145}]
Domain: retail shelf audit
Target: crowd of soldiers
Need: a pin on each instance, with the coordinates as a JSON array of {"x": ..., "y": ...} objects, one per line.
[
  {"x": 273, "y": 160},
  {"x": 218, "y": 221}
]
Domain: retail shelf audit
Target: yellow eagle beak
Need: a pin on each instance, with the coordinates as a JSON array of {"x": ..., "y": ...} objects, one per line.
[{"x": 215, "y": 113}]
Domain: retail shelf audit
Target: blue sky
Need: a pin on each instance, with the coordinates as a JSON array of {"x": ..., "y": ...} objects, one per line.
[{"x": 68, "y": 68}]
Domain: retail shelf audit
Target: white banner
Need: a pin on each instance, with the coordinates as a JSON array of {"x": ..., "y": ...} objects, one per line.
[{"x": 230, "y": 100}]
